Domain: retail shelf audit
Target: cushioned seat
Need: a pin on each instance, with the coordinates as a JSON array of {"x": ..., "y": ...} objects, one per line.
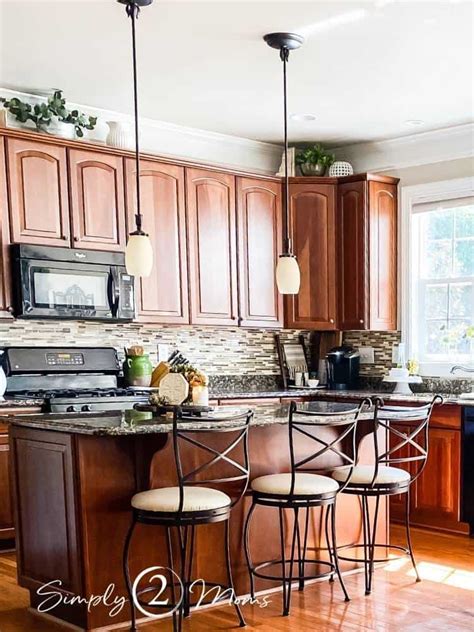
[
  {"x": 363, "y": 475},
  {"x": 166, "y": 499},
  {"x": 305, "y": 484}
]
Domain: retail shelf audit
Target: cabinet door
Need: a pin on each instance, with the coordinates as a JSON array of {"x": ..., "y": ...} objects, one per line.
[
  {"x": 352, "y": 230},
  {"x": 260, "y": 242},
  {"x": 383, "y": 255},
  {"x": 97, "y": 200},
  {"x": 212, "y": 241},
  {"x": 436, "y": 498},
  {"x": 6, "y": 513},
  {"x": 312, "y": 227},
  {"x": 5, "y": 276},
  {"x": 163, "y": 296},
  {"x": 37, "y": 182}
]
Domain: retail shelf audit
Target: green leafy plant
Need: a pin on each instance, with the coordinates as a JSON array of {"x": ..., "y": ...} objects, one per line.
[
  {"x": 42, "y": 114},
  {"x": 315, "y": 155}
]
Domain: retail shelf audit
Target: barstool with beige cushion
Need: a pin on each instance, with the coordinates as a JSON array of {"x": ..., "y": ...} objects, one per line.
[
  {"x": 195, "y": 500},
  {"x": 317, "y": 441},
  {"x": 407, "y": 435}
]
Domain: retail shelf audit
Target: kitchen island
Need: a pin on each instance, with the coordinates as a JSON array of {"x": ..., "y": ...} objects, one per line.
[{"x": 74, "y": 476}]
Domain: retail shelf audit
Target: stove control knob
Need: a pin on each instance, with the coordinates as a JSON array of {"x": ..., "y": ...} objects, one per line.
[
  {"x": 86, "y": 408},
  {"x": 71, "y": 409}
]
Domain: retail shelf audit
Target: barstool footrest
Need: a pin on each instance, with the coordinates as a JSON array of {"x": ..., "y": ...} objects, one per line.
[
  {"x": 255, "y": 570},
  {"x": 376, "y": 560}
]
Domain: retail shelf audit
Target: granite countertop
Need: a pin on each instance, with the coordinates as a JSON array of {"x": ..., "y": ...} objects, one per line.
[
  {"x": 263, "y": 393},
  {"x": 20, "y": 403},
  {"x": 127, "y": 423}
]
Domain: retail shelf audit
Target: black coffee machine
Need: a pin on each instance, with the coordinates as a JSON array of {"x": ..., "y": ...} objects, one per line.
[{"x": 343, "y": 368}]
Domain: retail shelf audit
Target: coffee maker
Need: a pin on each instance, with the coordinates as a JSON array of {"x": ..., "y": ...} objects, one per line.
[{"x": 343, "y": 368}]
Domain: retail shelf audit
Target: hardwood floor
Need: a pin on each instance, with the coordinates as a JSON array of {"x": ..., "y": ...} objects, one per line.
[{"x": 443, "y": 601}]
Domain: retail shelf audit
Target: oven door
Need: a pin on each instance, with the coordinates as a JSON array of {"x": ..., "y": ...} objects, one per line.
[{"x": 56, "y": 289}]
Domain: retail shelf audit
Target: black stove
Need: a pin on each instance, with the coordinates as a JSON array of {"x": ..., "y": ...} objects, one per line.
[{"x": 69, "y": 379}]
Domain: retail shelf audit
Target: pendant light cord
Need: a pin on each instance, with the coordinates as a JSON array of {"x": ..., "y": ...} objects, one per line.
[
  {"x": 133, "y": 10},
  {"x": 284, "y": 55}
]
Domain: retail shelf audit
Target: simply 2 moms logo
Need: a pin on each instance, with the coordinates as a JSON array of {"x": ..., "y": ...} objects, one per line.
[{"x": 162, "y": 583}]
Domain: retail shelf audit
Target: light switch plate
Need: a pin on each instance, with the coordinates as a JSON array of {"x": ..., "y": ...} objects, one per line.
[{"x": 367, "y": 355}]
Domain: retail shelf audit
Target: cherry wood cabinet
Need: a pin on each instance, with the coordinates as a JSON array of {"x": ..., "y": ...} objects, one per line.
[
  {"x": 312, "y": 229},
  {"x": 210, "y": 198},
  {"x": 38, "y": 193},
  {"x": 367, "y": 253},
  {"x": 6, "y": 511},
  {"x": 97, "y": 200},
  {"x": 5, "y": 276},
  {"x": 163, "y": 296},
  {"x": 259, "y": 244}
]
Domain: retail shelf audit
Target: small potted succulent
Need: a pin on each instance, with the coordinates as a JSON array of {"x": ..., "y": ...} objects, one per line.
[
  {"x": 313, "y": 161},
  {"x": 53, "y": 116}
]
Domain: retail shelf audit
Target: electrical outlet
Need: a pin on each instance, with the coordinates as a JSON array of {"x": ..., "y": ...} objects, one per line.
[
  {"x": 163, "y": 352},
  {"x": 395, "y": 354},
  {"x": 367, "y": 355}
]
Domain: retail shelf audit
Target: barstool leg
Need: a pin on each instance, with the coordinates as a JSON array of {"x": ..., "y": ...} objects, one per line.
[
  {"x": 283, "y": 559},
  {"x": 229, "y": 576},
  {"x": 171, "y": 576},
  {"x": 187, "y": 578},
  {"x": 366, "y": 535},
  {"x": 407, "y": 526},
  {"x": 247, "y": 549},
  {"x": 302, "y": 551},
  {"x": 328, "y": 540},
  {"x": 334, "y": 548},
  {"x": 372, "y": 544},
  {"x": 126, "y": 572},
  {"x": 183, "y": 545},
  {"x": 286, "y": 611},
  {"x": 305, "y": 546}
]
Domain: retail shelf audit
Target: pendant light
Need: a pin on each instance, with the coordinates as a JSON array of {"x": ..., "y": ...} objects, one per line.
[
  {"x": 287, "y": 271},
  {"x": 139, "y": 252}
]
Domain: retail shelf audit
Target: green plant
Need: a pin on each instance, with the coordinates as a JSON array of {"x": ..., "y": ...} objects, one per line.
[
  {"x": 41, "y": 114},
  {"x": 315, "y": 155}
]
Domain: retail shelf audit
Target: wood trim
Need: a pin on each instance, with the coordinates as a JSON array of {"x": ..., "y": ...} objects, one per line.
[
  {"x": 369, "y": 177},
  {"x": 5, "y": 275}
]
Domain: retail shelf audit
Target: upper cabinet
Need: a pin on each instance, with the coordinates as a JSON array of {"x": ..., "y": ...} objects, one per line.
[
  {"x": 367, "y": 245},
  {"x": 210, "y": 198},
  {"x": 163, "y": 296},
  {"x": 312, "y": 229},
  {"x": 5, "y": 304},
  {"x": 37, "y": 183},
  {"x": 259, "y": 244},
  {"x": 97, "y": 200}
]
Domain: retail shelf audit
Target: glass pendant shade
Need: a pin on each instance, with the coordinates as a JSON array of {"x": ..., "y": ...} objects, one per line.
[
  {"x": 288, "y": 276},
  {"x": 139, "y": 255}
]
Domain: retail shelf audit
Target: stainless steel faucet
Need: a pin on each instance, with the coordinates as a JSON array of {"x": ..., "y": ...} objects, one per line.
[{"x": 458, "y": 367}]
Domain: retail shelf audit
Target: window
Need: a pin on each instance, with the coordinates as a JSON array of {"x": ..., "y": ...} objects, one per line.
[{"x": 438, "y": 272}]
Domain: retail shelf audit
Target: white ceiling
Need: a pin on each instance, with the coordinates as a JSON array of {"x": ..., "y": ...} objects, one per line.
[{"x": 364, "y": 70}]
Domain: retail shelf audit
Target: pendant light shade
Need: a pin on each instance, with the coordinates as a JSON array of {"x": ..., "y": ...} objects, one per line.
[
  {"x": 287, "y": 271},
  {"x": 288, "y": 276},
  {"x": 139, "y": 251},
  {"x": 139, "y": 255}
]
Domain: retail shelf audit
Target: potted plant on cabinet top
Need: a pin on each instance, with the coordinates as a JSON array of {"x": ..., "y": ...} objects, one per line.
[
  {"x": 313, "y": 161},
  {"x": 52, "y": 117}
]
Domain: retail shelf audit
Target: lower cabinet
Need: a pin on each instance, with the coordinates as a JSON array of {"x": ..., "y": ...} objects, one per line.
[{"x": 6, "y": 511}]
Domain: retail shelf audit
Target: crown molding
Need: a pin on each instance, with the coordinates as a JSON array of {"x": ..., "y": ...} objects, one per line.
[
  {"x": 441, "y": 145},
  {"x": 177, "y": 141}
]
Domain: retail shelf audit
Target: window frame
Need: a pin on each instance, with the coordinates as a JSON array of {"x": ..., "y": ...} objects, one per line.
[{"x": 411, "y": 196}]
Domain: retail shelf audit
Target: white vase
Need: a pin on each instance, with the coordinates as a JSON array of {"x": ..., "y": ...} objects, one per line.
[
  {"x": 119, "y": 135},
  {"x": 59, "y": 128}
]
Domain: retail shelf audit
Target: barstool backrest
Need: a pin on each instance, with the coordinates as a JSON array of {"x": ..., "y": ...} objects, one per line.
[
  {"x": 406, "y": 442},
  {"x": 232, "y": 431},
  {"x": 332, "y": 442}
]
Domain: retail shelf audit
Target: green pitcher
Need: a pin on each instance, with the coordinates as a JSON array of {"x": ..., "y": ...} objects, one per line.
[{"x": 137, "y": 370}]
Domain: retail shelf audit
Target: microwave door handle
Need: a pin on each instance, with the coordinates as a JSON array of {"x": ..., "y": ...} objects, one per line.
[{"x": 114, "y": 292}]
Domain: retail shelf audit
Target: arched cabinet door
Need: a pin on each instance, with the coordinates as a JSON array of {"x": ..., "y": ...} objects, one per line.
[
  {"x": 260, "y": 242},
  {"x": 97, "y": 200},
  {"x": 163, "y": 296},
  {"x": 312, "y": 228},
  {"x": 210, "y": 198},
  {"x": 37, "y": 183}
]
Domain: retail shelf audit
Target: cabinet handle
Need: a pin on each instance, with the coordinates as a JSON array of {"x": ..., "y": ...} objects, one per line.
[
  {"x": 361, "y": 321},
  {"x": 76, "y": 238},
  {"x": 10, "y": 309},
  {"x": 331, "y": 320},
  {"x": 65, "y": 237}
]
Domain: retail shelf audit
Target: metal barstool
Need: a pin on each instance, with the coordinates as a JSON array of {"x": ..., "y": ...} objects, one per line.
[
  {"x": 194, "y": 501},
  {"x": 327, "y": 436},
  {"x": 384, "y": 479}
]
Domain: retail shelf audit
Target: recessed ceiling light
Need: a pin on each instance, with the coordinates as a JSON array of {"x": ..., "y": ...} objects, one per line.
[
  {"x": 414, "y": 122},
  {"x": 304, "y": 118}
]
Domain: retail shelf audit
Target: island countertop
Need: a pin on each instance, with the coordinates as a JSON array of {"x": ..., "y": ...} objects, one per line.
[{"x": 129, "y": 422}]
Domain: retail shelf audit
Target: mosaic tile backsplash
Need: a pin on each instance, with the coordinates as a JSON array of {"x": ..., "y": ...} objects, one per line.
[
  {"x": 382, "y": 342},
  {"x": 220, "y": 351}
]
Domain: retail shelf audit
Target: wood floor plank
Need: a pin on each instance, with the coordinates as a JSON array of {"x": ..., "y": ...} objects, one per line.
[{"x": 443, "y": 601}]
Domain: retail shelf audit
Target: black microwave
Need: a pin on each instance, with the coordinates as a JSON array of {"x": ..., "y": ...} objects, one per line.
[{"x": 50, "y": 282}]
